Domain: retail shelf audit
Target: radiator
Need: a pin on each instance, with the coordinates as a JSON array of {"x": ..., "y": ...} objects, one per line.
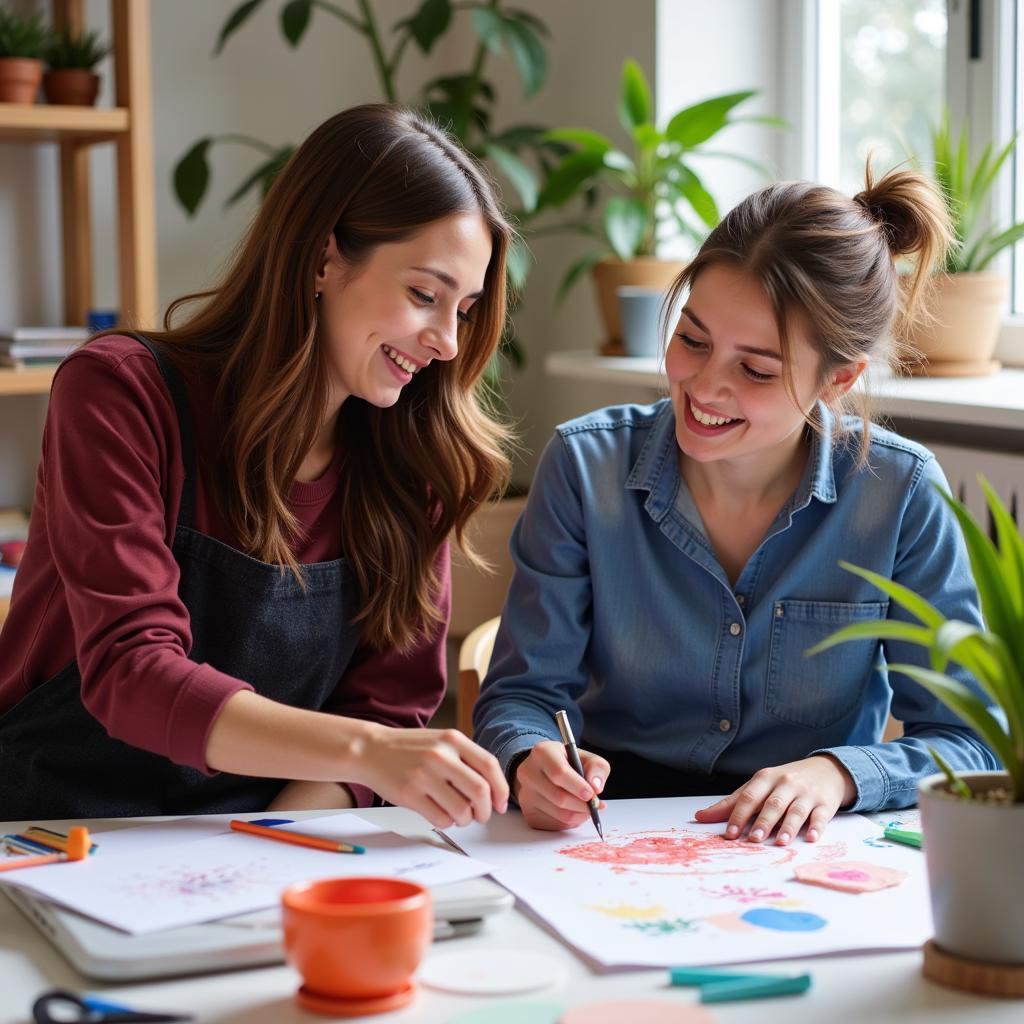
[{"x": 1004, "y": 471}]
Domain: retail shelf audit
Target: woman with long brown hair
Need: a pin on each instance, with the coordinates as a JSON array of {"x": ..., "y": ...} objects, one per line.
[{"x": 236, "y": 584}]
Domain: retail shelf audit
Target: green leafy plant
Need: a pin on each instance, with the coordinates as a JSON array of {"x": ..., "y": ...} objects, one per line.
[
  {"x": 22, "y": 35},
  {"x": 465, "y": 103},
  {"x": 966, "y": 189},
  {"x": 994, "y": 655},
  {"x": 68, "y": 48},
  {"x": 633, "y": 201}
]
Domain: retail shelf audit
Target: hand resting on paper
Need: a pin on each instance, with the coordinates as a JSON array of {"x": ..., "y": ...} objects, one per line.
[
  {"x": 788, "y": 796},
  {"x": 549, "y": 791}
]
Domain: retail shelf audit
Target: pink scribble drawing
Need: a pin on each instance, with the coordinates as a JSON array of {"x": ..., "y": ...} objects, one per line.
[
  {"x": 742, "y": 894},
  {"x": 830, "y": 851},
  {"x": 697, "y": 853},
  {"x": 194, "y": 885}
]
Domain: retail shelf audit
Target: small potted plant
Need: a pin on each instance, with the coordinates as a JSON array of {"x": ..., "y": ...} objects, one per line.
[
  {"x": 71, "y": 57},
  {"x": 973, "y": 823},
  {"x": 22, "y": 39},
  {"x": 632, "y": 202},
  {"x": 969, "y": 297}
]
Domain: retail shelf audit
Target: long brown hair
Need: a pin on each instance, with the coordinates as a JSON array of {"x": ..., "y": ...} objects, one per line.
[
  {"x": 413, "y": 473},
  {"x": 816, "y": 250}
]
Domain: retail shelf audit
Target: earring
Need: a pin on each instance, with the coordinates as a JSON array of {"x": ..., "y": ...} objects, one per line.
[{"x": 317, "y": 296}]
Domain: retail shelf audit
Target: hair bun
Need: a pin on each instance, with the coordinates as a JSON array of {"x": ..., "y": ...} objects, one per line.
[{"x": 905, "y": 205}]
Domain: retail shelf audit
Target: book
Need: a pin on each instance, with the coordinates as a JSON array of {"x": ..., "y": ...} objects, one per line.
[
  {"x": 50, "y": 350},
  {"x": 7, "y": 362},
  {"x": 36, "y": 334}
]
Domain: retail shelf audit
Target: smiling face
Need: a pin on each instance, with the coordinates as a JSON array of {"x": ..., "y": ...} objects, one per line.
[
  {"x": 387, "y": 318},
  {"x": 725, "y": 371}
]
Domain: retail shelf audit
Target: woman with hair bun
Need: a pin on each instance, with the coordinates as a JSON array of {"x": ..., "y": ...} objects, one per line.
[
  {"x": 676, "y": 561},
  {"x": 236, "y": 585}
]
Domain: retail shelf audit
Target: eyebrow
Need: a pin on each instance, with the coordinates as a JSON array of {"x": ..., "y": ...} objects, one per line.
[
  {"x": 447, "y": 280},
  {"x": 770, "y": 353}
]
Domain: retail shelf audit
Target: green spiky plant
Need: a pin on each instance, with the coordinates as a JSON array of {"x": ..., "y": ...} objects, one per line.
[
  {"x": 68, "y": 48},
  {"x": 994, "y": 655},
  {"x": 966, "y": 189},
  {"x": 21, "y": 35}
]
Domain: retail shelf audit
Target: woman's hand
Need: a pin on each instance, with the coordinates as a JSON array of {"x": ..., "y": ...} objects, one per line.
[
  {"x": 439, "y": 773},
  {"x": 549, "y": 791},
  {"x": 788, "y": 795}
]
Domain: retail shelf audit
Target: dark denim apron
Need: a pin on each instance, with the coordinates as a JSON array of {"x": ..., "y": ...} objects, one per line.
[{"x": 248, "y": 620}]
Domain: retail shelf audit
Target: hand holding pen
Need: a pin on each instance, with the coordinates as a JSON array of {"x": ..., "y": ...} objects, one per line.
[{"x": 551, "y": 793}]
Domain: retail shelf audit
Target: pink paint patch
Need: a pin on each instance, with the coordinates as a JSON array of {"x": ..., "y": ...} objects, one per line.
[
  {"x": 697, "y": 852},
  {"x": 730, "y": 923},
  {"x": 850, "y": 876}
]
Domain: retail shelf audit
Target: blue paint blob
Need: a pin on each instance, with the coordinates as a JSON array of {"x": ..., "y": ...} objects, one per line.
[{"x": 784, "y": 920}]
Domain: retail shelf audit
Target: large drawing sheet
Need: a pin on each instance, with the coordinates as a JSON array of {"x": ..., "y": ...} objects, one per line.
[
  {"x": 142, "y": 885},
  {"x": 664, "y": 890}
]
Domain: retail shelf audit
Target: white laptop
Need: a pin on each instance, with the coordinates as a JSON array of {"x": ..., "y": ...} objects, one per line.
[{"x": 249, "y": 940}]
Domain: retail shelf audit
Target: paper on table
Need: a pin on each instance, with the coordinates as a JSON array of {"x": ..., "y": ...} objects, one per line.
[
  {"x": 146, "y": 888},
  {"x": 665, "y": 890}
]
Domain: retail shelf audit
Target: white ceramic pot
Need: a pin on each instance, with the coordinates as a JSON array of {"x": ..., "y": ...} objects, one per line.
[{"x": 975, "y": 854}]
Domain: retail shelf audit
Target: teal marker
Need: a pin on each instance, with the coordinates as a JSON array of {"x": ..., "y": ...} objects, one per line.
[
  {"x": 753, "y": 988},
  {"x": 902, "y": 835}
]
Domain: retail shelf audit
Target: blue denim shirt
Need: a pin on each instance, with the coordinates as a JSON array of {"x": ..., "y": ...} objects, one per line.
[{"x": 620, "y": 612}]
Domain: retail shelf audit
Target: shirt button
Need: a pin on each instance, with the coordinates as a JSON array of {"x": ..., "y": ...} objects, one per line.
[
  {"x": 724, "y": 725},
  {"x": 741, "y": 600},
  {"x": 735, "y": 629}
]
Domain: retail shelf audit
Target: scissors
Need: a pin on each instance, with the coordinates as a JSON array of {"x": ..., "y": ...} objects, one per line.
[{"x": 58, "y": 1006}]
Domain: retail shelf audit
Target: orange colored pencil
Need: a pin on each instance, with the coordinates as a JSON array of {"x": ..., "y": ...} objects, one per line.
[{"x": 314, "y": 842}]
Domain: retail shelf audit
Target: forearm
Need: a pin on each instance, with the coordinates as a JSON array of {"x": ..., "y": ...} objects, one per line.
[
  {"x": 310, "y": 796},
  {"x": 259, "y": 737}
]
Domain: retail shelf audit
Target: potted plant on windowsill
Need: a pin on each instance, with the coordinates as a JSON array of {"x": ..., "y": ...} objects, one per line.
[
  {"x": 22, "y": 38},
  {"x": 633, "y": 202},
  {"x": 973, "y": 823},
  {"x": 71, "y": 57},
  {"x": 969, "y": 297}
]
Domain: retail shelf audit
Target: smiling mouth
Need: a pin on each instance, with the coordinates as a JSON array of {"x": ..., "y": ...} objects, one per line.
[
  {"x": 399, "y": 360},
  {"x": 707, "y": 420}
]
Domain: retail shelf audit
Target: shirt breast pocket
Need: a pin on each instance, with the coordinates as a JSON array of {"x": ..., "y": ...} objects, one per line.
[{"x": 818, "y": 691}]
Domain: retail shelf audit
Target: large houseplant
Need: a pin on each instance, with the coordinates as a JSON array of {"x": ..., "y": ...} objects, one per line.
[
  {"x": 969, "y": 296},
  {"x": 22, "y": 39},
  {"x": 974, "y": 823},
  {"x": 633, "y": 201}
]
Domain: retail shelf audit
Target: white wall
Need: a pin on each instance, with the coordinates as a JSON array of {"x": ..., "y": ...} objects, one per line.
[{"x": 260, "y": 86}]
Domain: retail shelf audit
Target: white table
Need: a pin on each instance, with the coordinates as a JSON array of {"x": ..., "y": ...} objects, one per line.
[{"x": 869, "y": 989}]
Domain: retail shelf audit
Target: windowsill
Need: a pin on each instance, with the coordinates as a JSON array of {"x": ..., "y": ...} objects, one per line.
[{"x": 996, "y": 401}]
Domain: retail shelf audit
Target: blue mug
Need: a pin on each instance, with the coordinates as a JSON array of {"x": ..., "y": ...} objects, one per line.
[{"x": 640, "y": 309}]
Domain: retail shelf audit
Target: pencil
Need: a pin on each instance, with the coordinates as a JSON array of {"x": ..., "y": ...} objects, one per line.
[
  {"x": 78, "y": 849},
  {"x": 314, "y": 842}
]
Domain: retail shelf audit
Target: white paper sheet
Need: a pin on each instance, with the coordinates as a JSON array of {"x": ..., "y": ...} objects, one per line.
[
  {"x": 147, "y": 886},
  {"x": 666, "y": 891}
]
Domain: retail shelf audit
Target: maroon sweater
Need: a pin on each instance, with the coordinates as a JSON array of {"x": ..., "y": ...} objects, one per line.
[{"x": 98, "y": 583}]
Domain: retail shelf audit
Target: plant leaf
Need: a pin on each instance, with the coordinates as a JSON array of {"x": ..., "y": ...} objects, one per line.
[
  {"x": 429, "y": 22},
  {"x": 517, "y": 265},
  {"x": 625, "y": 221},
  {"x": 295, "y": 19},
  {"x": 263, "y": 175},
  {"x": 693, "y": 125},
  {"x": 575, "y": 272},
  {"x": 968, "y": 706},
  {"x": 634, "y": 97},
  {"x": 192, "y": 176},
  {"x": 957, "y": 785},
  {"x": 692, "y": 189},
  {"x": 582, "y": 137},
  {"x": 995, "y": 245},
  {"x": 488, "y": 24},
  {"x": 522, "y": 177},
  {"x": 236, "y": 19},
  {"x": 881, "y": 629},
  {"x": 569, "y": 178},
  {"x": 903, "y": 596},
  {"x": 528, "y": 52}
]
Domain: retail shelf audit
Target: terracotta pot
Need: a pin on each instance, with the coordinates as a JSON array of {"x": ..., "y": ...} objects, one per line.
[
  {"x": 19, "y": 79},
  {"x": 960, "y": 340},
  {"x": 74, "y": 87},
  {"x": 974, "y": 851},
  {"x": 356, "y": 940},
  {"x": 643, "y": 272}
]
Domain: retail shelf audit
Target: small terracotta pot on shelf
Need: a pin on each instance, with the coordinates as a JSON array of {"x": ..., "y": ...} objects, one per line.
[
  {"x": 75, "y": 87},
  {"x": 19, "y": 79}
]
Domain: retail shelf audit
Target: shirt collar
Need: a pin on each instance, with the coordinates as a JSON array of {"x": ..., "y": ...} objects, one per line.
[{"x": 656, "y": 469}]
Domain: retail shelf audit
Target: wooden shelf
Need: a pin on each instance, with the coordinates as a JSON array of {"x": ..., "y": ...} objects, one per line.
[
  {"x": 40, "y": 122},
  {"x": 34, "y": 381}
]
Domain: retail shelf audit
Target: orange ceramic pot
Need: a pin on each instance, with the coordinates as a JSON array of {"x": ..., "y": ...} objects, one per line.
[{"x": 356, "y": 938}]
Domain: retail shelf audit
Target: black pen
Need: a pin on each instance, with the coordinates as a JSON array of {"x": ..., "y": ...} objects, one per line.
[{"x": 562, "y": 721}]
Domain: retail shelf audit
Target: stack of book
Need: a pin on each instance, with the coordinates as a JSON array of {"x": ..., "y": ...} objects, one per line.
[{"x": 22, "y": 347}]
